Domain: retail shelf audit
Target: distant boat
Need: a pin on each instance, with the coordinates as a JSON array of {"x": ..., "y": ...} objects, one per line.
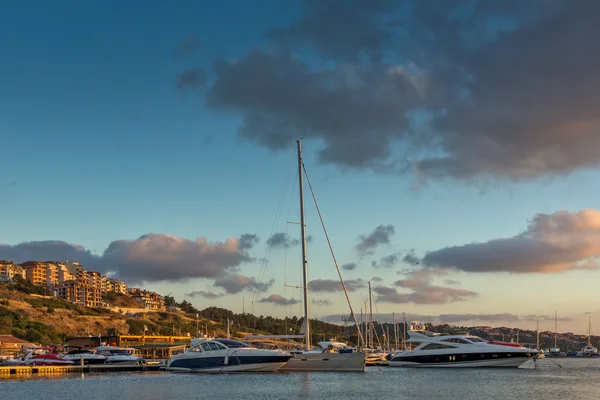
[
  {"x": 79, "y": 356},
  {"x": 589, "y": 350},
  {"x": 119, "y": 355},
  {"x": 43, "y": 356}
]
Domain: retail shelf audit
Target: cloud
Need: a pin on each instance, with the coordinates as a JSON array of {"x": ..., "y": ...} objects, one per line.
[
  {"x": 422, "y": 290},
  {"x": 411, "y": 258},
  {"x": 459, "y": 89},
  {"x": 321, "y": 302},
  {"x": 377, "y": 279},
  {"x": 451, "y": 282},
  {"x": 349, "y": 266},
  {"x": 386, "y": 262},
  {"x": 187, "y": 47},
  {"x": 331, "y": 285},
  {"x": 151, "y": 257},
  {"x": 552, "y": 243},
  {"x": 381, "y": 235},
  {"x": 248, "y": 241},
  {"x": 281, "y": 240},
  {"x": 235, "y": 283},
  {"x": 279, "y": 300},
  {"x": 192, "y": 78},
  {"x": 533, "y": 317},
  {"x": 205, "y": 294},
  {"x": 495, "y": 318}
]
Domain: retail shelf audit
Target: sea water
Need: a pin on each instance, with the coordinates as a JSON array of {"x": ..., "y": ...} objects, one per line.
[{"x": 571, "y": 379}]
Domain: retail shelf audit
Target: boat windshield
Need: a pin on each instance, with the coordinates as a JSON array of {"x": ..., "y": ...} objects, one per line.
[
  {"x": 476, "y": 339},
  {"x": 120, "y": 353},
  {"x": 233, "y": 344}
]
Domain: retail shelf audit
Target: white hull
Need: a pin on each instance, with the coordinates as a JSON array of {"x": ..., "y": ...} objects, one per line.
[
  {"x": 261, "y": 367},
  {"x": 340, "y": 362},
  {"x": 495, "y": 363}
]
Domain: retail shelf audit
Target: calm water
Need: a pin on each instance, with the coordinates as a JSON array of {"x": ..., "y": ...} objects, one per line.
[{"x": 578, "y": 379}]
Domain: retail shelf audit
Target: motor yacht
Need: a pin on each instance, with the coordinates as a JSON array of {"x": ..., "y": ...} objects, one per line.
[
  {"x": 226, "y": 355},
  {"x": 456, "y": 351},
  {"x": 119, "y": 355},
  {"x": 43, "y": 356},
  {"x": 326, "y": 356},
  {"x": 84, "y": 357}
]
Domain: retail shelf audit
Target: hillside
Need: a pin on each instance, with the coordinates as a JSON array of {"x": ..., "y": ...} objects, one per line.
[{"x": 46, "y": 320}]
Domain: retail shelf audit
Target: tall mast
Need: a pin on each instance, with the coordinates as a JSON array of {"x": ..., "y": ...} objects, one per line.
[
  {"x": 366, "y": 325},
  {"x": 303, "y": 241},
  {"x": 395, "y": 331},
  {"x": 537, "y": 334},
  {"x": 359, "y": 328},
  {"x": 555, "y": 331},
  {"x": 589, "y": 331},
  {"x": 371, "y": 314}
]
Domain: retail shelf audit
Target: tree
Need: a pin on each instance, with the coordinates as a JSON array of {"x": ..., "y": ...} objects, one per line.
[
  {"x": 187, "y": 307},
  {"x": 170, "y": 301}
]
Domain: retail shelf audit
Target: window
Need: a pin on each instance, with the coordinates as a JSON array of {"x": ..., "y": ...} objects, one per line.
[
  {"x": 476, "y": 339},
  {"x": 195, "y": 348},
  {"x": 205, "y": 347},
  {"x": 456, "y": 340},
  {"x": 233, "y": 343},
  {"x": 213, "y": 346},
  {"x": 436, "y": 346}
]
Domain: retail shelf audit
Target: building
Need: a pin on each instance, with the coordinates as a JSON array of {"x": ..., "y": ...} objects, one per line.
[
  {"x": 80, "y": 293},
  {"x": 117, "y": 286},
  {"x": 97, "y": 281},
  {"x": 8, "y": 271},
  {"x": 10, "y": 345},
  {"x": 64, "y": 274},
  {"x": 152, "y": 301},
  {"x": 35, "y": 272}
]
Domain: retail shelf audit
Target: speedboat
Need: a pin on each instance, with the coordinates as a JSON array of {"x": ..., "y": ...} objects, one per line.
[
  {"x": 589, "y": 351},
  {"x": 83, "y": 356},
  {"x": 327, "y": 356},
  {"x": 456, "y": 351},
  {"x": 226, "y": 355},
  {"x": 119, "y": 355},
  {"x": 43, "y": 356}
]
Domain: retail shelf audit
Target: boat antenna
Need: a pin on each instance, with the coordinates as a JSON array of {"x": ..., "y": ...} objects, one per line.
[
  {"x": 337, "y": 267},
  {"x": 303, "y": 242}
]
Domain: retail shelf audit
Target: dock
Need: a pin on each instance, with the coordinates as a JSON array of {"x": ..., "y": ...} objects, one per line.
[{"x": 65, "y": 369}]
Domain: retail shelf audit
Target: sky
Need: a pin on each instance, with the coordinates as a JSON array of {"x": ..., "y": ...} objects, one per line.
[{"x": 452, "y": 148}]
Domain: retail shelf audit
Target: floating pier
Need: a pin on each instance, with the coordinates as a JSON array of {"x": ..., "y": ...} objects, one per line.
[{"x": 64, "y": 369}]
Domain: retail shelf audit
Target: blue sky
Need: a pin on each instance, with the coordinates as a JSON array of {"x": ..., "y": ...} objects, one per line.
[{"x": 100, "y": 144}]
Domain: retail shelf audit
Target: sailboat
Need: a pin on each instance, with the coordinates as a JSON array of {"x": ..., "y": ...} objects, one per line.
[
  {"x": 324, "y": 357},
  {"x": 589, "y": 350}
]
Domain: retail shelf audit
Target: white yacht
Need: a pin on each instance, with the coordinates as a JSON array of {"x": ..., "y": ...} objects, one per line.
[
  {"x": 589, "y": 350},
  {"x": 226, "y": 355},
  {"x": 456, "y": 351},
  {"x": 83, "y": 356},
  {"x": 119, "y": 355}
]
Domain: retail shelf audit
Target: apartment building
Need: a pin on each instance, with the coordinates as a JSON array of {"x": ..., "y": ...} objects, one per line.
[
  {"x": 36, "y": 272},
  {"x": 117, "y": 286},
  {"x": 81, "y": 293},
  {"x": 151, "y": 301},
  {"x": 8, "y": 271}
]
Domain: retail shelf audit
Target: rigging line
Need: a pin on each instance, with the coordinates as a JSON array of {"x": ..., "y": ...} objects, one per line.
[
  {"x": 331, "y": 249},
  {"x": 268, "y": 247}
]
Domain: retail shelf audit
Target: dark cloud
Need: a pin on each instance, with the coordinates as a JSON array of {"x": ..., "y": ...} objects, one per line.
[
  {"x": 192, "y": 78},
  {"x": 349, "y": 266},
  {"x": 331, "y": 285},
  {"x": 279, "y": 300},
  {"x": 457, "y": 89},
  {"x": 386, "y": 262},
  {"x": 205, "y": 294},
  {"x": 381, "y": 235},
  {"x": 321, "y": 302},
  {"x": 151, "y": 257},
  {"x": 281, "y": 240},
  {"x": 235, "y": 283},
  {"x": 551, "y": 243},
  {"x": 533, "y": 317},
  {"x": 451, "y": 282},
  {"x": 377, "y": 279},
  {"x": 411, "y": 258},
  {"x": 248, "y": 241}
]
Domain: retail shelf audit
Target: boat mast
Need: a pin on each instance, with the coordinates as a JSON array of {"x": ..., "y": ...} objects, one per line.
[
  {"x": 555, "y": 331},
  {"x": 590, "y": 331},
  {"x": 395, "y": 331},
  {"x": 366, "y": 325},
  {"x": 537, "y": 334},
  {"x": 371, "y": 314},
  {"x": 303, "y": 242}
]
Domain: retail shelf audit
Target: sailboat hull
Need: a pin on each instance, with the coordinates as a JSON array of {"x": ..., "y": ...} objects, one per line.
[{"x": 336, "y": 362}]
